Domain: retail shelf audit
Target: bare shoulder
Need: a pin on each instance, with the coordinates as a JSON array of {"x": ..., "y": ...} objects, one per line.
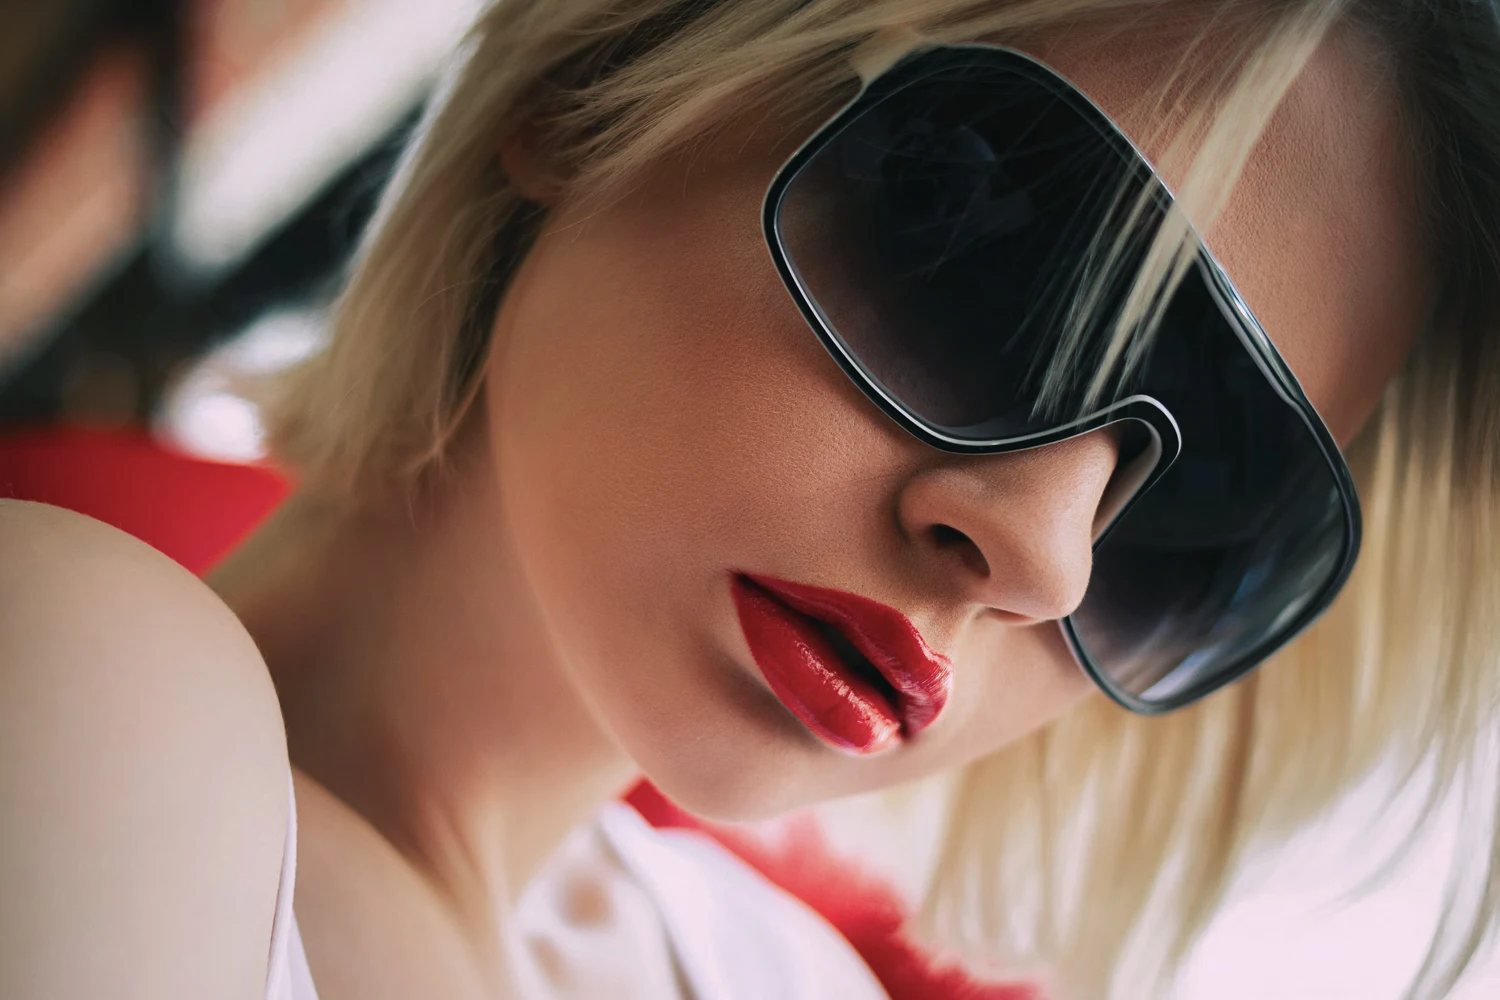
[
  {"x": 89, "y": 611},
  {"x": 143, "y": 772}
]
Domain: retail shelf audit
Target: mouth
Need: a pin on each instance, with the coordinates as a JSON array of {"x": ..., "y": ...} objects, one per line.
[{"x": 855, "y": 672}]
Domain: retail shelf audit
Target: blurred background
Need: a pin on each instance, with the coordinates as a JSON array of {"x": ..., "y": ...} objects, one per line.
[{"x": 181, "y": 182}]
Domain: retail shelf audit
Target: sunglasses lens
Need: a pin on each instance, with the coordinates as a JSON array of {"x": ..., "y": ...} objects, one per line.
[
  {"x": 1238, "y": 542},
  {"x": 945, "y": 234}
]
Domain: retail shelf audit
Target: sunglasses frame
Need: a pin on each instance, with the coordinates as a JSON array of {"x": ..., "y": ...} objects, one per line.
[{"x": 912, "y": 70}]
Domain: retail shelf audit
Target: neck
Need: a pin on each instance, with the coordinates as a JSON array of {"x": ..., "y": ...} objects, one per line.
[{"x": 419, "y": 685}]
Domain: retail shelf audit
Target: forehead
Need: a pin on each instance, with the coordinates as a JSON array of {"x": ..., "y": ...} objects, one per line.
[{"x": 1321, "y": 233}]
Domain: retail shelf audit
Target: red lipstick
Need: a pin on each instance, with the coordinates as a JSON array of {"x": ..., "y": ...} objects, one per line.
[{"x": 854, "y": 671}]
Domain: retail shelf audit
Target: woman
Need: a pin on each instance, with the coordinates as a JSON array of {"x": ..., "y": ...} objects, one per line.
[{"x": 684, "y": 419}]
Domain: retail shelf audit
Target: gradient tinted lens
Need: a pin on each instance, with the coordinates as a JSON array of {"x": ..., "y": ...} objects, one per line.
[
  {"x": 942, "y": 236},
  {"x": 1234, "y": 547}
]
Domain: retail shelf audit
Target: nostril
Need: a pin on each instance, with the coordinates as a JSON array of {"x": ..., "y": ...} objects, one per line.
[
  {"x": 947, "y": 537},
  {"x": 950, "y": 539}
]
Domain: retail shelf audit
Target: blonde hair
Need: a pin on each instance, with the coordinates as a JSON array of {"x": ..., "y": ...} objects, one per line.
[{"x": 1402, "y": 671}]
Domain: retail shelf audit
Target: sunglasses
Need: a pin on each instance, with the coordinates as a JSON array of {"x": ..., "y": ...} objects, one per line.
[{"x": 940, "y": 235}]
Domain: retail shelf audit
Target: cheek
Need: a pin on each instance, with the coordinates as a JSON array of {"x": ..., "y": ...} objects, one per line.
[
  {"x": 1019, "y": 680},
  {"x": 660, "y": 415},
  {"x": 654, "y": 388}
]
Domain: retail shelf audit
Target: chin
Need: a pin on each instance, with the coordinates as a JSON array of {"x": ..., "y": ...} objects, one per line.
[
  {"x": 737, "y": 781},
  {"x": 737, "y": 802}
]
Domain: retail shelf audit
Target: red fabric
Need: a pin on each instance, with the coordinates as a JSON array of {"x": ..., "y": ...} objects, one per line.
[
  {"x": 865, "y": 908},
  {"x": 197, "y": 511},
  {"x": 194, "y": 511}
]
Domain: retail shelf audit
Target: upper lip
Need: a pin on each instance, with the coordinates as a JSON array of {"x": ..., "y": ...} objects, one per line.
[{"x": 922, "y": 678}]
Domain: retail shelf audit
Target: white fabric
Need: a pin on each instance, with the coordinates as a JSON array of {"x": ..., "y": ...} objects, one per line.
[
  {"x": 629, "y": 912},
  {"x": 287, "y": 975}
]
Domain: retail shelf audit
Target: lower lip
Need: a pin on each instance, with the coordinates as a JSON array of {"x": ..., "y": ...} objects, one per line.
[{"x": 810, "y": 678}]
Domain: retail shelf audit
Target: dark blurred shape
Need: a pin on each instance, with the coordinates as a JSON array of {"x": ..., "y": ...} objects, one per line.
[
  {"x": 89, "y": 94},
  {"x": 148, "y": 316},
  {"x": 100, "y": 388},
  {"x": 47, "y": 46},
  {"x": 98, "y": 100},
  {"x": 76, "y": 201}
]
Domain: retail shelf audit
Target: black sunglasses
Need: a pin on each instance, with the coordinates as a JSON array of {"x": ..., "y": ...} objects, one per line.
[{"x": 942, "y": 231}]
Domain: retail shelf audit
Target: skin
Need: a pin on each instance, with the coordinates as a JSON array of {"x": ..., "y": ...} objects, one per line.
[
  {"x": 466, "y": 679},
  {"x": 139, "y": 787}
]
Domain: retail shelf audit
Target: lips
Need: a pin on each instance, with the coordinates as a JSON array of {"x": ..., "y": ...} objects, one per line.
[{"x": 857, "y": 673}]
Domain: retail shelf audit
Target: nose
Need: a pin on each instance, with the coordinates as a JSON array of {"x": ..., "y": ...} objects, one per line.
[{"x": 1014, "y": 531}]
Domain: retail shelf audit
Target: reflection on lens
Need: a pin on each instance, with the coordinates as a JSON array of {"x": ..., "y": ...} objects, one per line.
[
  {"x": 1234, "y": 543},
  {"x": 944, "y": 240}
]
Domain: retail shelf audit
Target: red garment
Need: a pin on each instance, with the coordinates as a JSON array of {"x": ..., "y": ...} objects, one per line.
[
  {"x": 864, "y": 907},
  {"x": 193, "y": 510}
]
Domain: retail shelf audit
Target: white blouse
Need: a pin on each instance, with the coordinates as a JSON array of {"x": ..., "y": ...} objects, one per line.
[{"x": 627, "y": 911}]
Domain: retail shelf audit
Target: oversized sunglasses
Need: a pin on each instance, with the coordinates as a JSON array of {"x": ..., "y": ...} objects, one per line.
[{"x": 940, "y": 234}]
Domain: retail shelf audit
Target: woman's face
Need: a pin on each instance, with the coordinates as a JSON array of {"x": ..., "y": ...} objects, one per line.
[{"x": 662, "y": 419}]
